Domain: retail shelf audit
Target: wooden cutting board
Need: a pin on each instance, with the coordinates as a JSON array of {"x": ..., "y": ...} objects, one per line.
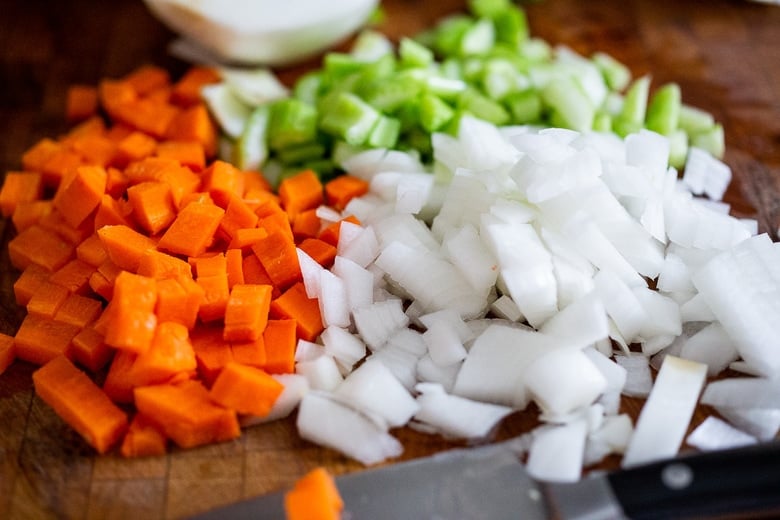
[{"x": 724, "y": 54}]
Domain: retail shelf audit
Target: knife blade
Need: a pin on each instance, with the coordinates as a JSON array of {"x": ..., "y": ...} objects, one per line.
[{"x": 490, "y": 482}]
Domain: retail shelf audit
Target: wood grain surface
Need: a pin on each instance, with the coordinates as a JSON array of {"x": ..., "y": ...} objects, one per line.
[{"x": 724, "y": 54}]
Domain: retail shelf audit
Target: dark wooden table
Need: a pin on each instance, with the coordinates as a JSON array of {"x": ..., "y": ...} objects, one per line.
[{"x": 724, "y": 54}]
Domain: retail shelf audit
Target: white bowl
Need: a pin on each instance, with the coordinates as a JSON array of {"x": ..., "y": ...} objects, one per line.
[{"x": 267, "y": 32}]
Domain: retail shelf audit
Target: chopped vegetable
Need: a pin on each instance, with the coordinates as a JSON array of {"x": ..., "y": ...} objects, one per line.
[{"x": 314, "y": 497}]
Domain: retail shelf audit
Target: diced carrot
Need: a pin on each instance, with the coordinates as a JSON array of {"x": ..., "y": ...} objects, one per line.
[
  {"x": 118, "y": 131},
  {"x": 215, "y": 296},
  {"x": 36, "y": 245},
  {"x": 27, "y": 214},
  {"x": 188, "y": 153},
  {"x": 306, "y": 224},
  {"x": 279, "y": 339},
  {"x": 36, "y": 157},
  {"x": 159, "y": 265},
  {"x": 80, "y": 193},
  {"x": 255, "y": 181},
  {"x": 322, "y": 252},
  {"x": 149, "y": 169},
  {"x": 209, "y": 264},
  {"x": 116, "y": 182},
  {"x": 47, "y": 300},
  {"x": 250, "y": 353},
  {"x": 19, "y": 187},
  {"x": 7, "y": 351},
  {"x": 152, "y": 204},
  {"x": 115, "y": 94},
  {"x": 133, "y": 321},
  {"x": 147, "y": 78},
  {"x": 247, "y": 390},
  {"x": 73, "y": 276},
  {"x": 186, "y": 414},
  {"x": 264, "y": 202},
  {"x": 254, "y": 272},
  {"x": 331, "y": 233},
  {"x": 211, "y": 351},
  {"x": 113, "y": 212},
  {"x": 97, "y": 150},
  {"x": 81, "y": 102},
  {"x": 300, "y": 192},
  {"x": 340, "y": 190},
  {"x": 279, "y": 257},
  {"x": 223, "y": 181},
  {"x": 186, "y": 91},
  {"x": 88, "y": 348},
  {"x": 53, "y": 221},
  {"x": 91, "y": 251},
  {"x": 195, "y": 124},
  {"x": 148, "y": 115},
  {"x": 79, "y": 310},
  {"x": 124, "y": 245},
  {"x": 294, "y": 304},
  {"x": 29, "y": 283},
  {"x": 234, "y": 266},
  {"x": 136, "y": 146},
  {"x": 179, "y": 299},
  {"x": 160, "y": 94},
  {"x": 193, "y": 229},
  {"x": 246, "y": 313},
  {"x": 40, "y": 339},
  {"x": 314, "y": 497},
  {"x": 238, "y": 215},
  {"x": 91, "y": 127},
  {"x": 277, "y": 222},
  {"x": 170, "y": 353},
  {"x": 244, "y": 238},
  {"x": 143, "y": 439},
  {"x": 80, "y": 403},
  {"x": 101, "y": 285},
  {"x": 118, "y": 384},
  {"x": 110, "y": 271},
  {"x": 60, "y": 164}
]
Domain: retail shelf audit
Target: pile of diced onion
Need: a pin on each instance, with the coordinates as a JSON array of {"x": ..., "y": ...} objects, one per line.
[{"x": 545, "y": 266}]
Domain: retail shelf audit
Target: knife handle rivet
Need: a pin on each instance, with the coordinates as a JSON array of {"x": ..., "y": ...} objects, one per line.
[{"x": 677, "y": 476}]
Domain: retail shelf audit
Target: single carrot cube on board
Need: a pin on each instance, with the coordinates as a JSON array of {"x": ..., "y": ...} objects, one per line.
[
  {"x": 36, "y": 245},
  {"x": 80, "y": 193},
  {"x": 143, "y": 439},
  {"x": 250, "y": 353},
  {"x": 39, "y": 339},
  {"x": 320, "y": 251},
  {"x": 79, "y": 310},
  {"x": 247, "y": 390},
  {"x": 88, "y": 348},
  {"x": 193, "y": 229},
  {"x": 306, "y": 224},
  {"x": 47, "y": 301},
  {"x": 27, "y": 214},
  {"x": 119, "y": 382},
  {"x": 169, "y": 354},
  {"x": 113, "y": 212},
  {"x": 179, "y": 299},
  {"x": 340, "y": 190},
  {"x": 223, "y": 181},
  {"x": 91, "y": 251},
  {"x": 30, "y": 283},
  {"x": 246, "y": 313},
  {"x": 19, "y": 187},
  {"x": 279, "y": 339},
  {"x": 80, "y": 403},
  {"x": 81, "y": 102},
  {"x": 300, "y": 192},
  {"x": 188, "y": 153},
  {"x": 7, "y": 351},
  {"x": 279, "y": 257},
  {"x": 186, "y": 91},
  {"x": 134, "y": 147},
  {"x": 314, "y": 496},
  {"x": 147, "y": 78},
  {"x": 194, "y": 124},
  {"x": 295, "y": 305},
  {"x": 125, "y": 246},
  {"x": 153, "y": 206},
  {"x": 158, "y": 265},
  {"x": 73, "y": 276}
]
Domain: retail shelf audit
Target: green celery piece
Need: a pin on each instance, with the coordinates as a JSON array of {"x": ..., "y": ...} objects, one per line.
[
  {"x": 695, "y": 120},
  {"x": 478, "y": 39},
  {"x": 414, "y": 54},
  {"x": 339, "y": 64},
  {"x": 624, "y": 127},
  {"x": 602, "y": 122},
  {"x": 632, "y": 113},
  {"x": 663, "y": 112},
  {"x": 409, "y": 115},
  {"x": 449, "y": 33},
  {"x": 487, "y": 8},
  {"x": 535, "y": 50},
  {"x": 501, "y": 78},
  {"x": 525, "y": 106},
  {"x": 291, "y": 122},
  {"x": 483, "y": 107},
  {"x": 301, "y": 153},
  {"x": 307, "y": 88},
  {"x": 434, "y": 113},
  {"x": 473, "y": 68},
  {"x": 388, "y": 96},
  {"x": 385, "y": 133},
  {"x": 616, "y": 75},
  {"x": 678, "y": 148},
  {"x": 712, "y": 140},
  {"x": 349, "y": 118},
  {"x": 445, "y": 88},
  {"x": 451, "y": 68},
  {"x": 418, "y": 140},
  {"x": 511, "y": 26},
  {"x": 251, "y": 149},
  {"x": 371, "y": 45},
  {"x": 569, "y": 104}
]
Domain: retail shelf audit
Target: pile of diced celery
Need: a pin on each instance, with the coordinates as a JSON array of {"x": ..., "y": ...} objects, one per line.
[{"x": 483, "y": 63}]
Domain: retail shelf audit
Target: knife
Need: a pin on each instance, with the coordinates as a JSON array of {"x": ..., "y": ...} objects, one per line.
[{"x": 490, "y": 482}]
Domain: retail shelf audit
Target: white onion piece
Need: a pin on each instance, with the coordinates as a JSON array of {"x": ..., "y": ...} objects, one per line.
[
  {"x": 705, "y": 174},
  {"x": 711, "y": 346},
  {"x": 612, "y": 436},
  {"x": 329, "y": 423},
  {"x": 584, "y": 381},
  {"x": 664, "y": 418},
  {"x": 412, "y": 192},
  {"x": 321, "y": 372},
  {"x": 639, "y": 380},
  {"x": 311, "y": 272},
  {"x": 307, "y": 350},
  {"x": 696, "y": 309},
  {"x": 621, "y": 303},
  {"x": 428, "y": 371},
  {"x": 716, "y": 434},
  {"x": 346, "y": 348},
  {"x": 357, "y": 243},
  {"x": 614, "y": 374},
  {"x": 464, "y": 248},
  {"x": 504, "y": 307},
  {"x": 333, "y": 302},
  {"x": 358, "y": 282},
  {"x": 372, "y": 388},
  {"x": 762, "y": 423},
  {"x": 557, "y": 452},
  {"x": 580, "y": 324},
  {"x": 377, "y": 321},
  {"x": 295, "y": 387},
  {"x": 455, "y": 416},
  {"x": 366, "y": 164},
  {"x": 743, "y": 392},
  {"x": 444, "y": 346}
]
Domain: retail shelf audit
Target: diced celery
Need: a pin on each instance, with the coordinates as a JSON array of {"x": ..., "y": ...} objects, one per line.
[
  {"x": 487, "y": 8},
  {"x": 615, "y": 73},
  {"x": 678, "y": 148},
  {"x": 525, "y": 106},
  {"x": 338, "y": 64},
  {"x": 570, "y": 106},
  {"x": 385, "y": 133},
  {"x": 419, "y": 140},
  {"x": 500, "y": 78},
  {"x": 602, "y": 122},
  {"x": 292, "y": 122},
  {"x": 449, "y": 33},
  {"x": 307, "y": 88},
  {"x": 371, "y": 45},
  {"x": 349, "y": 118},
  {"x": 483, "y": 107},
  {"x": 251, "y": 149},
  {"x": 511, "y": 26},
  {"x": 535, "y": 50},
  {"x": 445, "y": 88},
  {"x": 712, "y": 140},
  {"x": 434, "y": 113},
  {"x": 301, "y": 153},
  {"x": 413, "y": 54},
  {"x": 478, "y": 39},
  {"x": 632, "y": 114},
  {"x": 663, "y": 112},
  {"x": 389, "y": 96},
  {"x": 695, "y": 120}
]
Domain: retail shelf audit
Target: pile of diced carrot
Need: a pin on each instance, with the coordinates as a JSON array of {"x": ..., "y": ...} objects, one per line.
[{"x": 161, "y": 284}]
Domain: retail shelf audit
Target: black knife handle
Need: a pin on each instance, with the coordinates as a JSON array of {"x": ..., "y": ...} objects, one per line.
[{"x": 740, "y": 481}]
